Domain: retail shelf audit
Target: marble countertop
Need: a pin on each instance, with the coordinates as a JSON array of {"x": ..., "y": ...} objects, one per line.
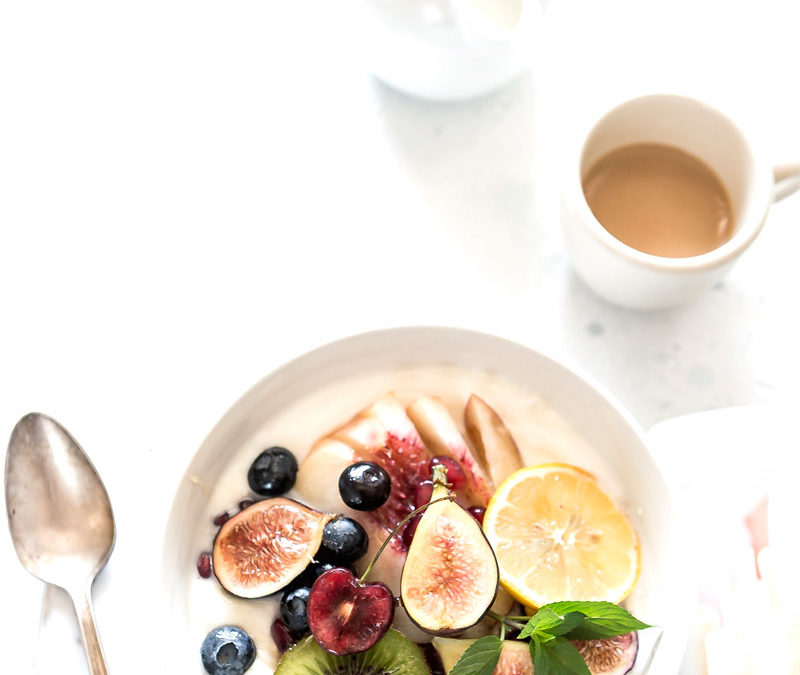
[{"x": 192, "y": 193}]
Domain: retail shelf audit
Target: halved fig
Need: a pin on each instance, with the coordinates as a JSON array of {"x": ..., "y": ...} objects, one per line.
[
  {"x": 493, "y": 442},
  {"x": 515, "y": 657},
  {"x": 450, "y": 576},
  {"x": 610, "y": 656},
  {"x": 442, "y": 437},
  {"x": 265, "y": 546}
]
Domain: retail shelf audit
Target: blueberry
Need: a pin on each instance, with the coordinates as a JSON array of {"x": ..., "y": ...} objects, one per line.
[
  {"x": 227, "y": 650},
  {"x": 343, "y": 541},
  {"x": 364, "y": 486},
  {"x": 293, "y": 611},
  {"x": 273, "y": 472},
  {"x": 309, "y": 575}
]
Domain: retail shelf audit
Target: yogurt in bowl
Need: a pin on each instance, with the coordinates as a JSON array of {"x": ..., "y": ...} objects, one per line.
[{"x": 554, "y": 415}]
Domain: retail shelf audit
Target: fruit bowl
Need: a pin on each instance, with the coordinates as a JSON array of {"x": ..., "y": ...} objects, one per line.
[{"x": 307, "y": 397}]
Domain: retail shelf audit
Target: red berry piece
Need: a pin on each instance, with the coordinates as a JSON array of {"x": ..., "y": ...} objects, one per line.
[
  {"x": 204, "y": 565},
  {"x": 455, "y": 473},
  {"x": 346, "y": 617},
  {"x": 245, "y": 503},
  {"x": 422, "y": 495},
  {"x": 410, "y": 529},
  {"x": 281, "y": 635},
  {"x": 221, "y": 519},
  {"x": 477, "y": 512}
]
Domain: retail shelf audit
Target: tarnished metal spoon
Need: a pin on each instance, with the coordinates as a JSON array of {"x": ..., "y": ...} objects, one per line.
[{"x": 60, "y": 517}]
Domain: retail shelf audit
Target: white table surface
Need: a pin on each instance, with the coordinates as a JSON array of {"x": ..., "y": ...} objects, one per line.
[{"x": 192, "y": 193}]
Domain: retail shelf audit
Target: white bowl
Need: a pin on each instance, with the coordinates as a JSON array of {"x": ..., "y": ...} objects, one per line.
[{"x": 662, "y": 592}]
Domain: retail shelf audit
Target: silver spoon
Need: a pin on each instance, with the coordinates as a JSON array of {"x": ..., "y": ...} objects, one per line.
[{"x": 60, "y": 517}]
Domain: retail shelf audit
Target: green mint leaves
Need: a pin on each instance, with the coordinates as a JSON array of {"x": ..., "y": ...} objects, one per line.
[
  {"x": 550, "y": 631},
  {"x": 480, "y": 658}
]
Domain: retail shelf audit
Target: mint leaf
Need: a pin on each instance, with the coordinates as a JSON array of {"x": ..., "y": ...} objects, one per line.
[
  {"x": 548, "y": 624},
  {"x": 557, "y": 657},
  {"x": 602, "y": 619},
  {"x": 539, "y": 622},
  {"x": 480, "y": 658},
  {"x": 568, "y": 624}
]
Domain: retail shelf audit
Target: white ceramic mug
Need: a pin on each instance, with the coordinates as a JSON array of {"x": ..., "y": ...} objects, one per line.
[{"x": 631, "y": 278}]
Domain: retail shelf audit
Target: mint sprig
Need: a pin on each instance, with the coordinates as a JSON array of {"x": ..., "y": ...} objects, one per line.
[
  {"x": 599, "y": 620},
  {"x": 550, "y": 631}
]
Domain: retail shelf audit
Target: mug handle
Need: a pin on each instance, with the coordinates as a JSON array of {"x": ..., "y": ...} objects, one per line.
[{"x": 787, "y": 180}]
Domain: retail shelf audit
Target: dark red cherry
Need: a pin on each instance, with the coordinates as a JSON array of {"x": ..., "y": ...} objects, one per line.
[
  {"x": 346, "y": 617},
  {"x": 455, "y": 474},
  {"x": 422, "y": 495},
  {"x": 410, "y": 529},
  {"x": 477, "y": 512}
]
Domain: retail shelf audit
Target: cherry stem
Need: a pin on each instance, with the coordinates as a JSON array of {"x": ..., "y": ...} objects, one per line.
[
  {"x": 506, "y": 621},
  {"x": 394, "y": 532},
  {"x": 439, "y": 475}
]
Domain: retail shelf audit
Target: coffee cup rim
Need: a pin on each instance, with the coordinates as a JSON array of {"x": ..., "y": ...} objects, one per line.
[{"x": 762, "y": 192}]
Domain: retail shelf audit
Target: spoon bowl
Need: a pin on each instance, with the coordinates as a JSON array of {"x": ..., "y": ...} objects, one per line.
[{"x": 59, "y": 515}]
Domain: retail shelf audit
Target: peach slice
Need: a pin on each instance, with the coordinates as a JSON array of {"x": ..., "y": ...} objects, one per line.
[
  {"x": 493, "y": 442},
  {"x": 442, "y": 437}
]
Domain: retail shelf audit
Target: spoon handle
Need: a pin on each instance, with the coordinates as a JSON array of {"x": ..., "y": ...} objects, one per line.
[{"x": 91, "y": 640}]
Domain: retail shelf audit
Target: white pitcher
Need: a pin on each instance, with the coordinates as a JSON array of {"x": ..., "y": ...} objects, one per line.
[{"x": 449, "y": 50}]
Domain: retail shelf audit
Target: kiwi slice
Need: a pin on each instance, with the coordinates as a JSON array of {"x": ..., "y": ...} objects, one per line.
[{"x": 393, "y": 654}]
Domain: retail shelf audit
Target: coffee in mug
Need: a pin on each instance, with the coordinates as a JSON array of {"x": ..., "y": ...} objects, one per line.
[{"x": 660, "y": 200}]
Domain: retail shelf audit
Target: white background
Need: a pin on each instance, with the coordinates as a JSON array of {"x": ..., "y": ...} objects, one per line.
[{"x": 193, "y": 192}]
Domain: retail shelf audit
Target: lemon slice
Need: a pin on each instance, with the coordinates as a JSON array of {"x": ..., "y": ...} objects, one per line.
[{"x": 558, "y": 536}]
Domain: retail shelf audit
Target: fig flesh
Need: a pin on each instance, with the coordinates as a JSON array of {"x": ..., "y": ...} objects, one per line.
[
  {"x": 493, "y": 442},
  {"x": 264, "y": 547},
  {"x": 610, "y": 656},
  {"x": 450, "y": 577}
]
